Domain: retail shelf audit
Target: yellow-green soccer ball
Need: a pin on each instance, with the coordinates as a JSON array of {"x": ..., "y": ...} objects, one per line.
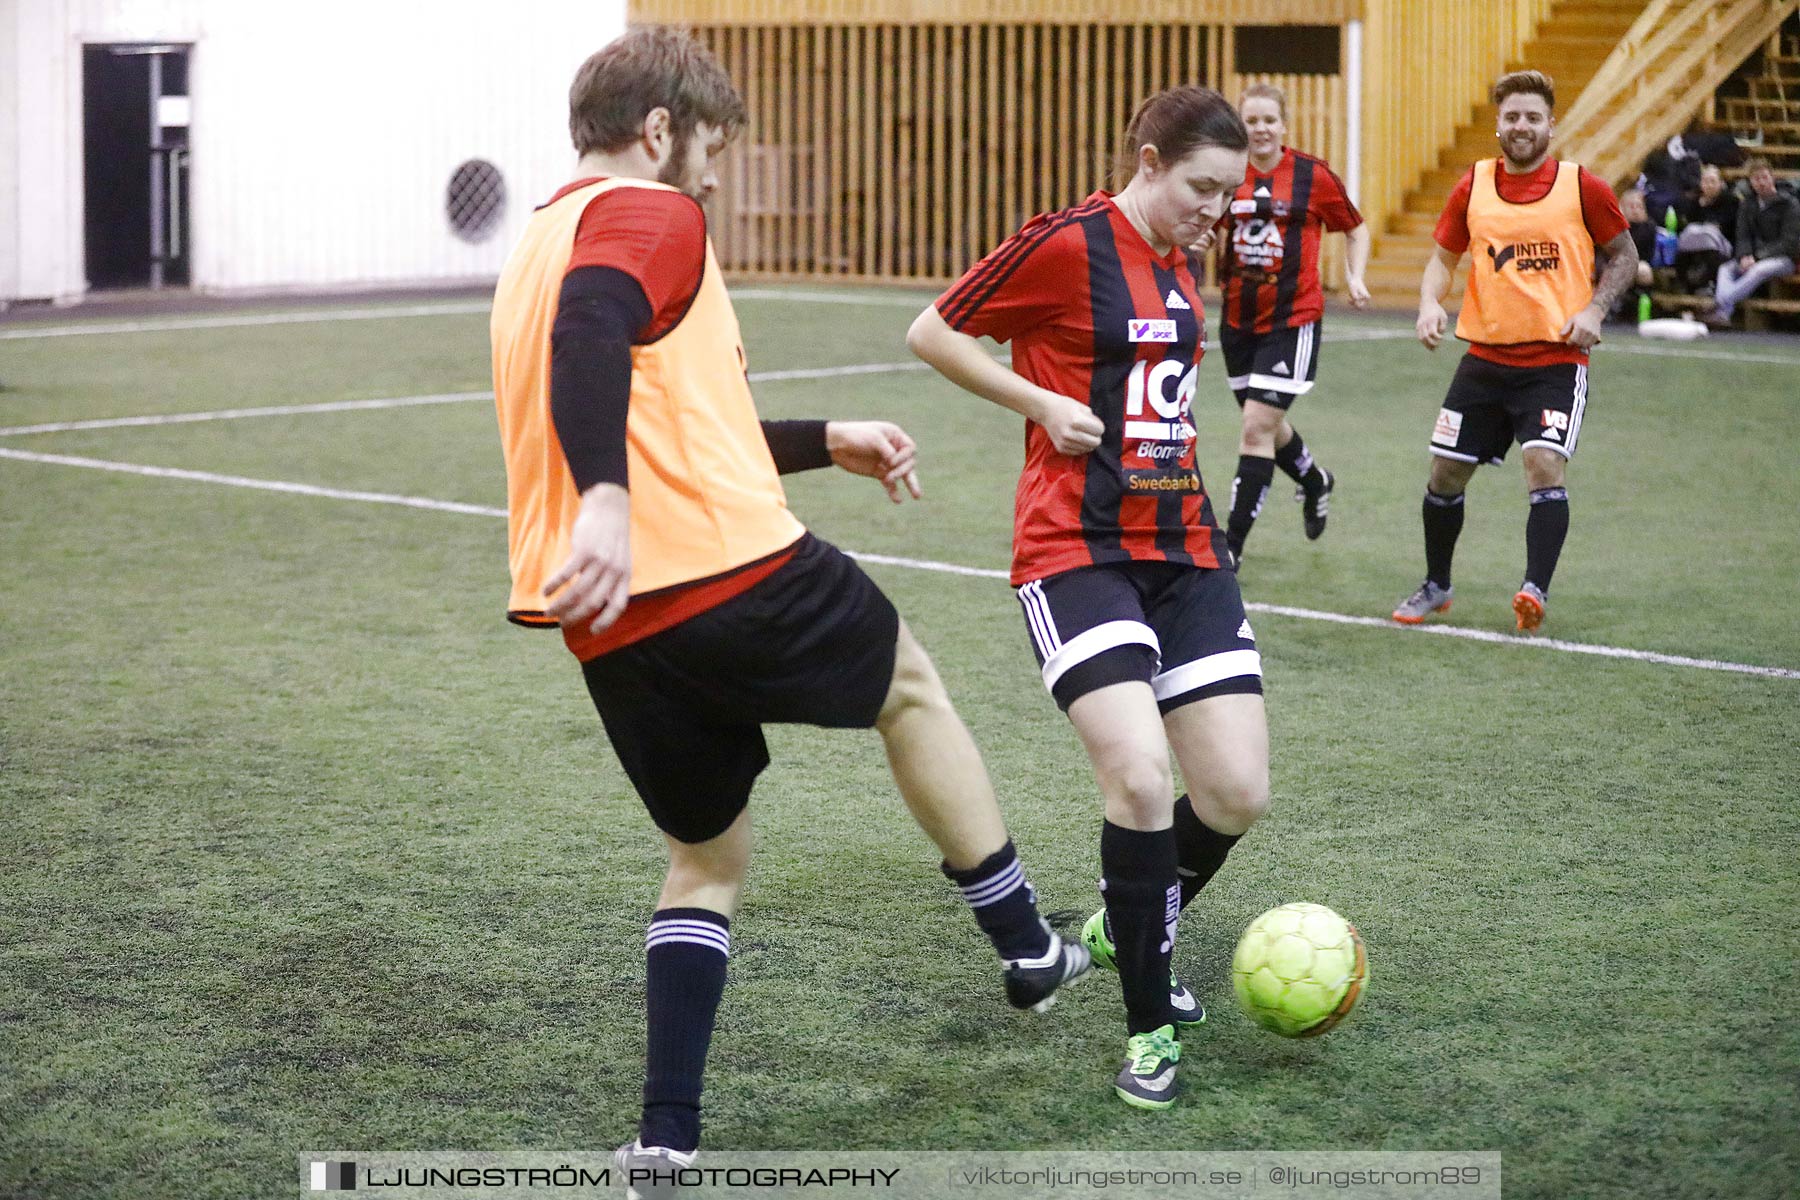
[{"x": 1299, "y": 969}]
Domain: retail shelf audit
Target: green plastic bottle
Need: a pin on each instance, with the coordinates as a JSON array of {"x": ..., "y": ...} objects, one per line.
[
  {"x": 1669, "y": 219},
  {"x": 1643, "y": 308}
]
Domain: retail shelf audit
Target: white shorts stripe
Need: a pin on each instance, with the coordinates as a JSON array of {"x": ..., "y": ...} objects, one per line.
[
  {"x": 1227, "y": 664},
  {"x": 1579, "y": 407},
  {"x": 1303, "y": 351},
  {"x": 1096, "y": 641},
  {"x": 1038, "y": 618},
  {"x": 1275, "y": 383},
  {"x": 1237, "y": 383}
]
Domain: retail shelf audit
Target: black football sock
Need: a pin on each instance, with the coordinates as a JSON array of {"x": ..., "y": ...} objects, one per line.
[
  {"x": 1443, "y": 523},
  {"x": 1143, "y": 902},
  {"x": 1005, "y": 904},
  {"x": 1545, "y": 528},
  {"x": 1200, "y": 849},
  {"x": 1297, "y": 461},
  {"x": 1248, "y": 491},
  {"x": 685, "y": 950}
]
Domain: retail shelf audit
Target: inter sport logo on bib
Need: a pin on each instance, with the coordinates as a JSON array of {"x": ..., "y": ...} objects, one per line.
[
  {"x": 1150, "y": 330},
  {"x": 1526, "y": 257}
]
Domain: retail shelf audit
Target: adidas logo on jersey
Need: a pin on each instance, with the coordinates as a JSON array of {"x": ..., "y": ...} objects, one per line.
[
  {"x": 1281, "y": 368},
  {"x": 1173, "y": 301},
  {"x": 1244, "y": 634}
]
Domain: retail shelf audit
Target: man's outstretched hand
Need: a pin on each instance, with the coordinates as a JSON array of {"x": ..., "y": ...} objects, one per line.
[{"x": 879, "y": 449}]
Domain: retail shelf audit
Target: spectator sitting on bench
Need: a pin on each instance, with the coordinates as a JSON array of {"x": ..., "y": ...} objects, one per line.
[
  {"x": 1643, "y": 236},
  {"x": 1709, "y": 221},
  {"x": 1768, "y": 242}
]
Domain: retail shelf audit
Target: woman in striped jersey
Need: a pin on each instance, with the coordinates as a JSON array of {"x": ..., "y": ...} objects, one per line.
[{"x": 1122, "y": 570}]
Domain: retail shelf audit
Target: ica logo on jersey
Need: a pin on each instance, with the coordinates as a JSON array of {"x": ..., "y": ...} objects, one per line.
[
  {"x": 1258, "y": 243},
  {"x": 1157, "y": 399}
]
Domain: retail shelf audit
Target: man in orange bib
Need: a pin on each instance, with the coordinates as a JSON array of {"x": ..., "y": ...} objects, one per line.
[
  {"x": 647, "y": 521},
  {"x": 1531, "y": 226}
]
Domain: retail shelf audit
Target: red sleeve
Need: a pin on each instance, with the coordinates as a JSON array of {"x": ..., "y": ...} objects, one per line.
[
  {"x": 1023, "y": 282},
  {"x": 1452, "y": 232},
  {"x": 1600, "y": 209},
  {"x": 1331, "y": 203},
  {"x": 656, "y": 237}
]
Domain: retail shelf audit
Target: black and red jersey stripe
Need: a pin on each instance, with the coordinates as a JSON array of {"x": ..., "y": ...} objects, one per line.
[
  {"x": 1269, "y": 244},
  {"x": 1094, "y": 314}
]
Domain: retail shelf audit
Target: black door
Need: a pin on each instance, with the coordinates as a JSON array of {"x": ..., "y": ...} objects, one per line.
[{"x": 135, "y": 151}]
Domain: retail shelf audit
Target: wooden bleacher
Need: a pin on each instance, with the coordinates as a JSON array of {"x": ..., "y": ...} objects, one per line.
[{"x": 1766, "y": 116}]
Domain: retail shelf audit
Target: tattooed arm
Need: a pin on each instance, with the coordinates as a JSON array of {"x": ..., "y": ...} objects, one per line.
[{"x": 1583, "y": 329}]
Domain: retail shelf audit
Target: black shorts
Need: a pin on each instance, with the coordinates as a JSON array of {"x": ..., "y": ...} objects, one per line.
[
  {"x": 813, "y": 644},
  {"x": 1272, "y": 367},
  {"x": 1490, "y": 406},
  {"x": 1180, "y": 629}
]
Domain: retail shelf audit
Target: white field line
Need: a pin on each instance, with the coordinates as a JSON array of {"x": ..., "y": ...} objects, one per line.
[
  {"x": 333, "y": 406},
  {"x": 917, "y": 564},
  {"x": 468, "y": 307},
  {"x": 834, "y": 372},
  {"x": 1366, "y": 335},
  {"x": 307, "y": 317},
  {"x": 1720, "y": 355},
  {"x": 1542, "y": 643},
  {"x": 261, "y": 485},
  {"x": 234, "y": 414},
  {"x": 916, "y": 303},
  {"x": 441, "y": 309}
]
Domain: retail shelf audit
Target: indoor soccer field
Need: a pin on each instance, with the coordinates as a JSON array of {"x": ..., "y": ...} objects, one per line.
[{"x": 301, "y": 844}]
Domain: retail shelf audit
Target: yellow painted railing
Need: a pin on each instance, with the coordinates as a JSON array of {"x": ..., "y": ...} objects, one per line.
[
  {"x": 1661, "y": 75},
  {"x": 899, "y": 139},
  {"x": 1426, "y": 65},
  {"x": 903, "y": 152},
  {"x": 1034, "y": 12}
]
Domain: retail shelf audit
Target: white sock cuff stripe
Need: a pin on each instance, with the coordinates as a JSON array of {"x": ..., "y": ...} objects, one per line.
[
  {"x": 991, "y": 891},
  {"x": 698, "y": 933}
]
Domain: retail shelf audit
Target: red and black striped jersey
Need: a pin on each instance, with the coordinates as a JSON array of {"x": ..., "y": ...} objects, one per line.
[
  {"x": 1094, "y": 314},
  {"x": 1269, "y": 242}
]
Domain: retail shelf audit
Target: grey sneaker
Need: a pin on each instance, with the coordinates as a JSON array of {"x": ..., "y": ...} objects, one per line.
[
  {"x": 1032, "y": 983},
  {"x": 649, "y": 1172},
  {"x": 1428, "y": 599},
  {"x": 1528, "y": 606}
]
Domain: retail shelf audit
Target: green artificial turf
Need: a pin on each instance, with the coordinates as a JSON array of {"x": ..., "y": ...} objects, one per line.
[{"x": 302, "y": 845}]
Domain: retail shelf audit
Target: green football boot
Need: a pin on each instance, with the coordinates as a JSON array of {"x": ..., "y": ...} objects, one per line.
[
  {"x": 1148, "y": 1078},
  {"x": 1189, "y": 1012}
]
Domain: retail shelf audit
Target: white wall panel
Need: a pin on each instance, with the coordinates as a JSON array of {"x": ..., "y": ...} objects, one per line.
[
  {"x": 323, "y": 136},
  {"x": 327, "y": 162},
  {"x": 9, "y": 149}
]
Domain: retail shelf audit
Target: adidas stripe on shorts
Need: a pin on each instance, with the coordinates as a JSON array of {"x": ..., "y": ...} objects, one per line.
[
  {"x": 1272, "y": 367},
  {"x": 1181, "y": 629}
]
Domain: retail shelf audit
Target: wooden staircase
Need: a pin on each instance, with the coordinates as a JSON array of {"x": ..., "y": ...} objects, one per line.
[
  {"x": 1629, "y": 74},
  {"x": 1570, "y": 46},
  {"x": 1660, "y": 75},
  {"x": 1770, "y": 107}
]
